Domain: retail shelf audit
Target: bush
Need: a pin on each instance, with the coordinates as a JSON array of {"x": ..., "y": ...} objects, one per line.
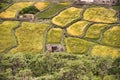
[
  {"x": 57, "y": 66},
  {"x": 29, "y": 10}
]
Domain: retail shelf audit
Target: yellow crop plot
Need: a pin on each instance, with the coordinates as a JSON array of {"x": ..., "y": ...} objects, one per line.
[
  {"x": 77, "y": 28},
  {"x": 14, "y": 9},
  {"x": 41, "y": 5},
  {"x": 54, "y": 35},
  {"x": 67, "y": 16},
  {"x": 100, "y": 14},
  {"x": 94, "y": 31},
  {"x": 111, "y": 36},
  {"x": 105, "y": 51},
  {"x": 6, "y": 36},
  {"x": 75, "y": 45},
  {"x": 30, "y": 37}
]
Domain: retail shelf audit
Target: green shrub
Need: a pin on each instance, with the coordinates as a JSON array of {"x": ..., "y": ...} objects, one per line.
[
  {"x": 29, "y": 10},
  {"x": 57, "y": 66}
]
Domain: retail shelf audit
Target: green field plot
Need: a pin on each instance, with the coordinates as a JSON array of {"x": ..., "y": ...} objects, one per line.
[
  {"x": 6, "y": 38},
  {"x": 3, "y": 5},
  {"x": 54, "y": 36},
  {"x": 67, "y": 16},
  {"x": 112, "y": 37},
  {"x": 104, "y": 51},
  {"x": 14, "y": 9},
  {"x": 100, "y": 14},
  {"x": 30, "y": 37},
  {"x": 94, "y": 31},
  {"x": 75, "y": 45},
  {"x": 116, "y": 8},
  {"x": 77, "y": 28},
  {"x": 53, "y": 10},
  {"x": 41, "y": 5}
]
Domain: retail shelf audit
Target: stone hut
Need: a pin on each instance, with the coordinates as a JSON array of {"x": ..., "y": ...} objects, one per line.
[
  {"x": 105, "y": 2},
  {"x": 29, "y": 17},
  {"x": 55, "y": 48}
]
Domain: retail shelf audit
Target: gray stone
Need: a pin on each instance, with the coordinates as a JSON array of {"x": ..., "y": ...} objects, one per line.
[{"x": 55, "y": 48}]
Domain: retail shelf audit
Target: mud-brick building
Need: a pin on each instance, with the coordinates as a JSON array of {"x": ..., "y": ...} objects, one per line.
[
  {"x": 55, "y": 48},
  {"x": 106, "y": 2}
]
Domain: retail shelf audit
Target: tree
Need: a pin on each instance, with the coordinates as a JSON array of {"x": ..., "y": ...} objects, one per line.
[
  {"x": 115, "y": 69},
  {"x": 29, "y": 10}
]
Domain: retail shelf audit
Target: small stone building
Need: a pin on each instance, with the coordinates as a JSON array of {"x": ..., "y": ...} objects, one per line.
[
  {"x": 29, "y": 17},
  {"x": 55, "y": 48}
]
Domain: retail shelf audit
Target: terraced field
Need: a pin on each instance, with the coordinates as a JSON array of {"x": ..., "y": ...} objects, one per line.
[
  {"x": 68, "y": 15},
  {"x": 77, "y": 28},
  {"x": 54, "y": 36},
  {"x": 6, "y": 35},
  {"x": 100, "y": 14},
  {"x": 30, "y": 37},
  {"x": 81, "y": 30},
  {"x": 12, "y": 10},
  {"x": 53, "y": 9}
]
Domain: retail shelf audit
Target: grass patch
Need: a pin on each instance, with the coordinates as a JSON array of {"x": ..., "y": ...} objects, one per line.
[
  {"x": 54, "y": 35},
  {"x": 104, "y": 51},
  {"x": 75, "y": 45},
  {"x": 111, "y": 36},
  {"x": 94, "y": 31},
  {"x": 6, "y": 38},
  {"x": 12, "y": 10},
  {"x": 100, "y": 14},
  {"x": 117, "y": 8},
  {"x": 53, "y": 10},
  {"x": 77, "y": 28},
  {"x": 41, "y": 5},
  {"x": 30, "y": 37},
  {"x": 67, "y": 16}
]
